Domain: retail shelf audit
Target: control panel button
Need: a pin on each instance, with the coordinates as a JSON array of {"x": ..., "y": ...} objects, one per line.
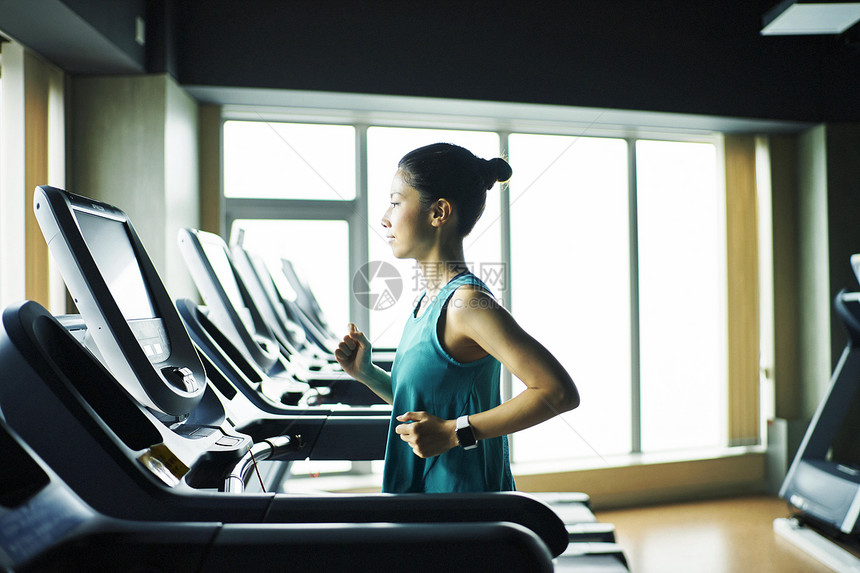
[{"x": 180, "y": 377}]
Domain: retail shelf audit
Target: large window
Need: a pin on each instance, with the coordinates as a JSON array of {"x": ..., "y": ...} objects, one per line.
[{"x": 609, "y": 250}]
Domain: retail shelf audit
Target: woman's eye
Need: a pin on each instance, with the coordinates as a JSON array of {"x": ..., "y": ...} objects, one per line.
[{"x": 394, "y": 204}]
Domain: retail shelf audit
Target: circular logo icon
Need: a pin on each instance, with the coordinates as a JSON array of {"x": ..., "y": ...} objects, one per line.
[{"x": 377, "y": 285}]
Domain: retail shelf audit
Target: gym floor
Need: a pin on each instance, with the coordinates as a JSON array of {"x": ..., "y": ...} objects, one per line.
[{"x": 723, "y": 536}]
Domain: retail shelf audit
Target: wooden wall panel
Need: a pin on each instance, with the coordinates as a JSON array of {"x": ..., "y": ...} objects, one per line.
[
  {"x": 36, "y": 90},
  {"x": 210, "y": 168},
  {"x": 742, "y": 294}
]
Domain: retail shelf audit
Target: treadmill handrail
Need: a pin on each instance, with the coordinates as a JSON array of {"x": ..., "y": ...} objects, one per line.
[{"x": 266, "y": 450}]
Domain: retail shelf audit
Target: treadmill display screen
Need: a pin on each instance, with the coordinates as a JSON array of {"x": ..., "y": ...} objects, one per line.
[
  {"x": 109, "y": 244},
  {"x": 220, "y": 261}
]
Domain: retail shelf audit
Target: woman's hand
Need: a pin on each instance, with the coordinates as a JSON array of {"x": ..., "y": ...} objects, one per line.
[
  {"x": 353, "y": 353},
  {"x": 426, "y": 434}
]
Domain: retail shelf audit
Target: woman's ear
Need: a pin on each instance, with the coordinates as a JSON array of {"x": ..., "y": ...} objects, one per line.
[{"x": 441, "y": 212}]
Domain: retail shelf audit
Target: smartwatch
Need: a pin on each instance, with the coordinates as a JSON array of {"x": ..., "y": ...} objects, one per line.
[{"x": 465, "y": 435}]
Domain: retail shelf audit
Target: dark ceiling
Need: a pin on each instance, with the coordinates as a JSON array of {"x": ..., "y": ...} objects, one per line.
[{"x": 661, "y": 55}]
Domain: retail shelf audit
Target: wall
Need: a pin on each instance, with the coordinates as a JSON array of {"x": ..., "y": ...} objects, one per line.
[
  {"x": 814, "y": 300},
  {"x": 657, "y": 482},
  {"x": 182, "y": 187},
  {"x": 663, "y": 55},
  {"x": 134, "y": 145},
  {"x": 784, "y": 185},
  {"x": 830, "y": 155},
  {"x": 843, "y": 218},
  {"x": 815, "y": 179}
]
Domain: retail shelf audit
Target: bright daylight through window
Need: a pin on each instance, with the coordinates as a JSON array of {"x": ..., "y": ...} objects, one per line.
[
  {"x": 565, "y": 272},
  {"x": 289, "y": 161},
  {"x": 569, "y": 203}
]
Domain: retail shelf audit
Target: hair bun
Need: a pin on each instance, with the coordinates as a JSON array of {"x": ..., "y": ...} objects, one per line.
[{"x": 497, "y": 169}]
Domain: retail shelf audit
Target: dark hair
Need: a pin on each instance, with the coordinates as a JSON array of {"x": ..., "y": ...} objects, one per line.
[{"x": 444, "y": 170}]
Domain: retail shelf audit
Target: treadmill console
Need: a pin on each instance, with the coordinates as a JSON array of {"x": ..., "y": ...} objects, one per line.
[
  {"x": 130, "y": 317},
  {"x": 305, "y": 298},
  {"x": 224, "y": 293}
]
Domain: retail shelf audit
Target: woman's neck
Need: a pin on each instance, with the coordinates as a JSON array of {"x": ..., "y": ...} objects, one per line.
[
  {"x": 437, "y": 274},
  {"x": 438, "y": 271}
]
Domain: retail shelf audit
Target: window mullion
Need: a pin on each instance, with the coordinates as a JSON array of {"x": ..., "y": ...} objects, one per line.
[
  {"x": 359, "y": 249},
  {"x": 635, "y": 371},
  {"x": 505, "y": 221},
  {"x": 242, "y": 208}
]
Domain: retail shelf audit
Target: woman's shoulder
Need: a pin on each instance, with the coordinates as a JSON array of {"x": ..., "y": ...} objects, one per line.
[{"x": 472, "y": 296}]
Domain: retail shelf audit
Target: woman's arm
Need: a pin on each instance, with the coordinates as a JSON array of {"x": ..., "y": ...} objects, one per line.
[
  {"x": 353, "y": 355},
  {"x": 476, "y": 323}
]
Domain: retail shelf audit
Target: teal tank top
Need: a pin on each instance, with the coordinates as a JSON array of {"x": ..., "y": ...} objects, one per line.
[{"x": 424, "y": 377}]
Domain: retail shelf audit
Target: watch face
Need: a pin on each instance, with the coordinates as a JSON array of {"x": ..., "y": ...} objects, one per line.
[{"x": 466, "y": 437}]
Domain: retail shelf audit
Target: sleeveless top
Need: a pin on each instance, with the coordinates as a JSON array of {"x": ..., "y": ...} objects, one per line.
[{"x": 424, "y": 377}]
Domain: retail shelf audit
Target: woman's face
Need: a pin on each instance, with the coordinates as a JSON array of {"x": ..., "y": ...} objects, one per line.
[{"x": 408, "y": 227}]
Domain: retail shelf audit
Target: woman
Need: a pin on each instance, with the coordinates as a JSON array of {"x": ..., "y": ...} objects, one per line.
[{"x": 449, "y": 431}]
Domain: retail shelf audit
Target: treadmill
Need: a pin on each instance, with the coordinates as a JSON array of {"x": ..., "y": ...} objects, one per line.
[
  {"x": 263, "y": 292},
  {"x": 46, "y": 526},
  {"x": 278, "y": 311},
  {"x": 152, "y": 438},
  {"x": 309, "y": 314},
  {"x": 232, "y": 308},
  {"x": 822, "y": 485}
]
